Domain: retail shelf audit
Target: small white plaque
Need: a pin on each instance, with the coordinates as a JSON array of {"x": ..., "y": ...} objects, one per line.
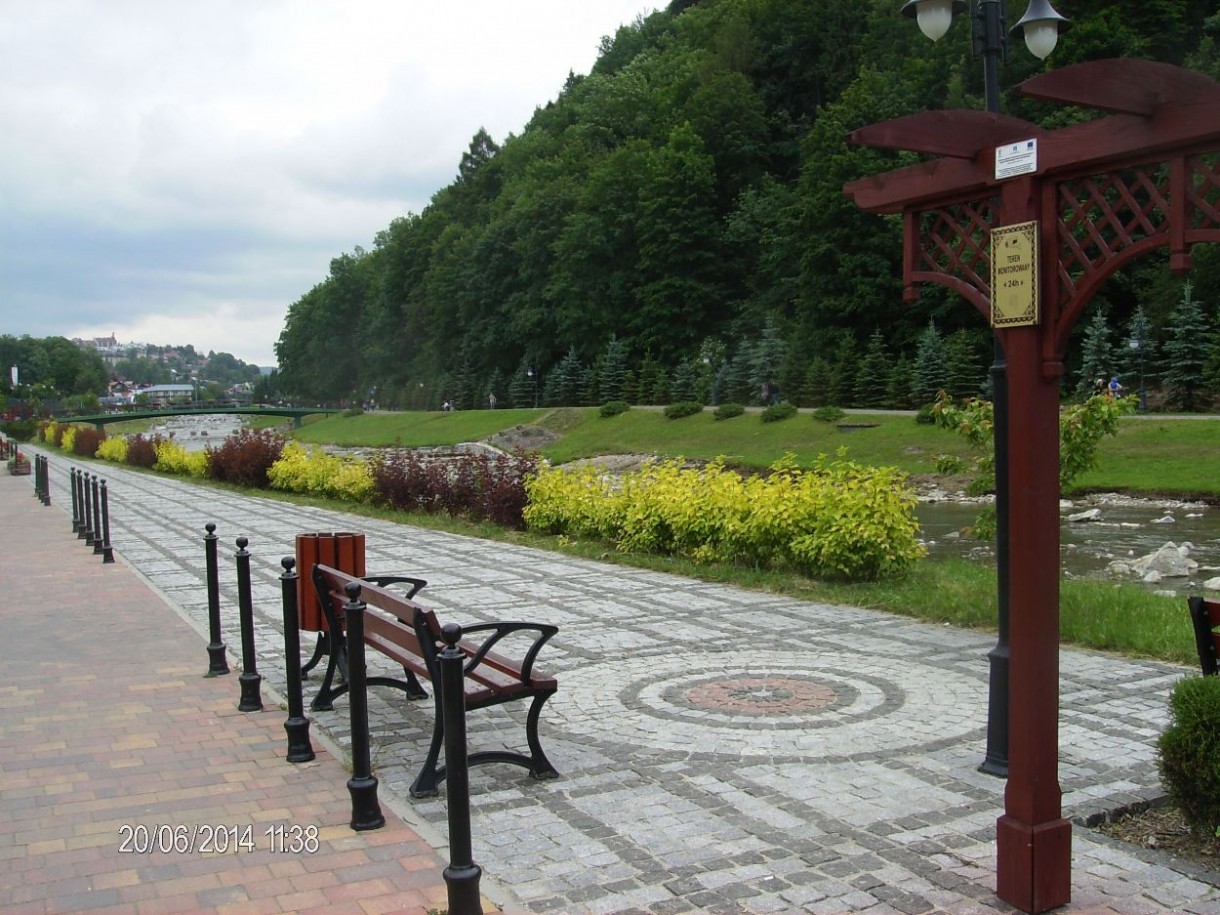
[{"x": 1014, "y": 159}]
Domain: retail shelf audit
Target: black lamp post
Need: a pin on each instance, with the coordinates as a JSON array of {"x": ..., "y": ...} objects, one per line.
[
  {"x": 1137, "y": 343},
  {"x": 1040, "y": 26},
  {"x": 533, "y": 373}
]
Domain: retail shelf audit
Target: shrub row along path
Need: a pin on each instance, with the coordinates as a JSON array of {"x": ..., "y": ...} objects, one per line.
[{"x": 721, "y": 750}]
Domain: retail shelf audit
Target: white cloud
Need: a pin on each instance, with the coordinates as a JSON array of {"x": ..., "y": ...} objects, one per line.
[{"x": 173, "y": 168}]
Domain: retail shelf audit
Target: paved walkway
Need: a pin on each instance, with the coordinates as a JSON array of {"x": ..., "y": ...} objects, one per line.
[
  {"x": 130, "y": 783},
  {"x": 722, "y": 750}
]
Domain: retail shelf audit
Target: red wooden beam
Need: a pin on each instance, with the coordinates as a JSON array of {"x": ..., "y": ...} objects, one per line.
[
  {"x": 1122, "y": 86},
  {"x": 958, "y": 133}
]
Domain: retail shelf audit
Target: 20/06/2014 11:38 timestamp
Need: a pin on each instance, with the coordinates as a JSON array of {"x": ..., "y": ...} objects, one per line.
[{"x": 205, "y": 839}]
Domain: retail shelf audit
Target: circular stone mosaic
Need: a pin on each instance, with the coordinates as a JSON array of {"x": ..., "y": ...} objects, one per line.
[
  {"x": 814, "y": 703},
  {"x": 760, "y": 695}
]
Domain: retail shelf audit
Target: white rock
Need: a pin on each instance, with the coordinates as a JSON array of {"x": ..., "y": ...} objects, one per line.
[
  {"x": 1168, "y": 519},
  {"x": 1152, "y": 578},
  {"x": 1092, "y": 514},
  {"x": 1170, "y": 561},
  {"x": 1212, "y": 584}
]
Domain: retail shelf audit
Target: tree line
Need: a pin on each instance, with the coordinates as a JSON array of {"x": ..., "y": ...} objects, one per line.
[{"x": 673, "y": 224}]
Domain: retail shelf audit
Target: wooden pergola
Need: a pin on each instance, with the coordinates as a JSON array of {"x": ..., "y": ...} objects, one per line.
[{"x": 1046, "y": 216}]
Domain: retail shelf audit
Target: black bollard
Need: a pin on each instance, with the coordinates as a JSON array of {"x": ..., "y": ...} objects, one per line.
[
  {"x": 218, "y": 664},
  {"x": 366, "y": 812},
  {"x": 83, "y": 500},
  {"x": 462, "y": 874},
  {"x": 251, "y": 696},
  {"x": 107, "y": 549},
  {"x": 46, "y": 481},
  {"x": 75, "y": 500},
  {"x": 296, "y": 725},
  {"x": 97, "y": 516}
]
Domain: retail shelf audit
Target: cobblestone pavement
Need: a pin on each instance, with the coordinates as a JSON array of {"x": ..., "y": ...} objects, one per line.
[{"x": 721, "y": 750}]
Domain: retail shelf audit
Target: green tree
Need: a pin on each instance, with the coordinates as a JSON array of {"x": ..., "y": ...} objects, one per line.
[
  {"x": 965, "y": 375},
  {"x": 1097, "y": 356},
  {"x": 1186, "y": 352},
  {"x": 930, "y": 375},
  {"x": 873, "y": 376}
]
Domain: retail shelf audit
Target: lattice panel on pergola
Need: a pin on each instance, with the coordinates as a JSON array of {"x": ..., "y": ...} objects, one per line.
[
  {"x": 955, "y": 241},
  {"x": 1203, "y": 193},
  {"x": 1101, "y": 215}
]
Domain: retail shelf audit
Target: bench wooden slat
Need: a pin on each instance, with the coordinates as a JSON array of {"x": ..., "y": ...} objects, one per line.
[
  {"x": 410, "y": 635},
  {"x": 1205, "y": 616}
]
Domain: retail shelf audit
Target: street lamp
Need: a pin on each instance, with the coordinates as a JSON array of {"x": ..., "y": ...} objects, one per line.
[
  {"x": 1137, "y": 343},
  {"x": 1040, "y": 26},
  {"x": 530, "y": 373}
]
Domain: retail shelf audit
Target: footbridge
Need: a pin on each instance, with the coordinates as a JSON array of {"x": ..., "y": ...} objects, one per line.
[{"x": 100, "y": 420}]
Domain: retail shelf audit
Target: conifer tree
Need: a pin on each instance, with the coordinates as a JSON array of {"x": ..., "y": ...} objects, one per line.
[
  {"x": 873, "y": 376},
  {"x": 1097, "y": 357},
  {"x": 930, "y": 376},
  {"x": 898, "y": 385},
  {"x": 965, "y": 375},
  {"x": 612, "y": 371},
  {"x": 817, "y": 383},
  {"x": 1186, "y": 352}
]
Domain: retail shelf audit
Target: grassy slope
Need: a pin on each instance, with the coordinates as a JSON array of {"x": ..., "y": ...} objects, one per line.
[{"x": 1170, "y": 456}]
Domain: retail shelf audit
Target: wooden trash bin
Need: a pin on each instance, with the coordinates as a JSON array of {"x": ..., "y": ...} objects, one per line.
[{"x": 342, "y": 551}]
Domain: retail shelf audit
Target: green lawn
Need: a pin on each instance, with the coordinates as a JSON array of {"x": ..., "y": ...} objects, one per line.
[{"x": 1150, "y": 455}]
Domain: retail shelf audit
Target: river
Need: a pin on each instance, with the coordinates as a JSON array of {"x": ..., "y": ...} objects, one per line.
[{"x": 1127, "y": 529}]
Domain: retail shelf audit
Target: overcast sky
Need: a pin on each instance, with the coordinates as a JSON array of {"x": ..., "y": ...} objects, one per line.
[{"x": 181, "y": 171}]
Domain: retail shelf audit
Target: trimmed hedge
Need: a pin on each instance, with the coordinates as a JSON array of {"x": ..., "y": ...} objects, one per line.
[{"x": 839, "y": 520}]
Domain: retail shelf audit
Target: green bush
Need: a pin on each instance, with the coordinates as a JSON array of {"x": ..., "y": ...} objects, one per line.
[
  {"x": 837, "y": 521},
  {"x": 926, "y": 415},
  {"x": 828, "y": 414},
  {"x": 1189, "y": 752},
  {"x": 778, "y": 411},
  {"x": 20, "y": 429},
  {"x": 728, "y": 411},
  {"x": 318, "y": 473},
  {"x": 683, "y": 408},
  {"x": 614, "y": 408},
  {"x": 950, "y": 464}
]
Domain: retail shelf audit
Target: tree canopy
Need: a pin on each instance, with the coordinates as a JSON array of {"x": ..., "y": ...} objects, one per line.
[{"x": 686, "y": 194}]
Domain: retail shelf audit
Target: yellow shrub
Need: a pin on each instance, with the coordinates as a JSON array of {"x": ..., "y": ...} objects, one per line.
[
  {"x": 113, "y": 449},
  {"x": 839, "y": 520},
  {"x": 174, "y": 458},
  {"x": 318, "y": 473},
  {"x": 68, "y": 439}
]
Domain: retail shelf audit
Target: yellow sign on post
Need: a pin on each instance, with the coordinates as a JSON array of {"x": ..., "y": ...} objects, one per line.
[{"x": 1014, "y": 275}]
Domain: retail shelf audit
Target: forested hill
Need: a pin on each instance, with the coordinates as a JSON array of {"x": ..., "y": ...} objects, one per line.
[{"x": 673, "y": 225}]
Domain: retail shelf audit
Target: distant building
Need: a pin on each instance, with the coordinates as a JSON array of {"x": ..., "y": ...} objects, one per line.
[{"x": 161, "y": 394}]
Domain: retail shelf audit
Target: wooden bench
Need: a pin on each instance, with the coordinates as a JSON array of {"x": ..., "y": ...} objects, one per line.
[
  {"x": 332, "y": 642},
  {"x": 1205, "y": 614},
  {"x": 410, "y": 636}
]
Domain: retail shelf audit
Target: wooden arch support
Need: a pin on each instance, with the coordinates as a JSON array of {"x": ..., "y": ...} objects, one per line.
[{"x": 1144, "y": 175}]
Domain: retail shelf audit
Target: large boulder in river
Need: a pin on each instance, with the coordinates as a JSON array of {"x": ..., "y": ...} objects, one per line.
[{"x": 1170, "y": 561}]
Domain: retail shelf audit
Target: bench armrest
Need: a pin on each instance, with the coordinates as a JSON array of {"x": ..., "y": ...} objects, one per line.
[
  {"x": 499, "y": 631},
  {"x": 416, "y": 584}
]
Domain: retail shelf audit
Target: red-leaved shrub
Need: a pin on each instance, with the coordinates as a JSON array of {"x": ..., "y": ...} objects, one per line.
[
  {"x": 480, "y": 487},
  {"x": 141, "y": 451},
  {"x": 86, "y": 441},
  {"x": 245, "y": 458}
]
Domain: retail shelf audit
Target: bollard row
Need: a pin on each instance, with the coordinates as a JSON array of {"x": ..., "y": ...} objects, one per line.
[
  {"x": 90, "y": 512},
  {"x": 462, "y": 875}
]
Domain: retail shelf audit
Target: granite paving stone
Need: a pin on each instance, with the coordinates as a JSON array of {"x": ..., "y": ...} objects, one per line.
[{"x": 720, "y": 750}]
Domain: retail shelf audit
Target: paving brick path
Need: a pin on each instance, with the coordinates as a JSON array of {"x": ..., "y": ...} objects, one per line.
[
  {"x": 124, "y": 772},
  {"x": 721, "y": 750}
]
